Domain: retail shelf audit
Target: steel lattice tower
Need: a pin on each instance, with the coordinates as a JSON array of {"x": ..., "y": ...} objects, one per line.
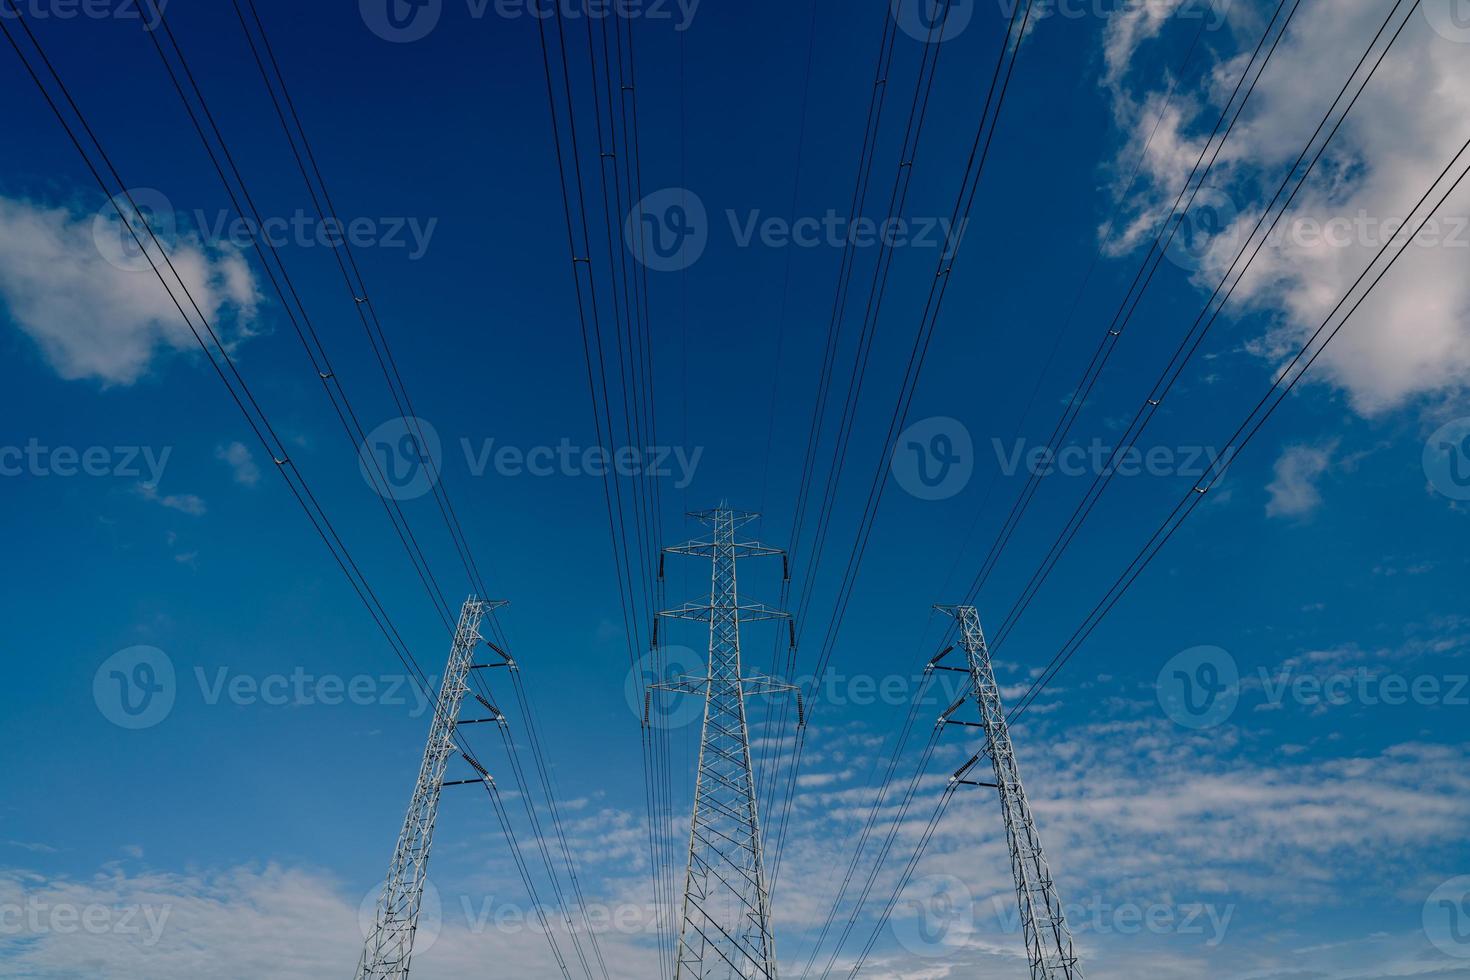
[
  {"x": 725, "y": 930},
  {"x": 389, "y": 946},
  {"x": 1043, "y": 924}
]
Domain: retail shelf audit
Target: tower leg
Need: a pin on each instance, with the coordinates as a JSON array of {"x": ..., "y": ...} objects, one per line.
[
  {"x": 389, "y": 947},
  {"x": 1049, "y": 948}
]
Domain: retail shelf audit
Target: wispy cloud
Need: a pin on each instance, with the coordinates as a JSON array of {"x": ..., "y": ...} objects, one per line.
[
  {"x": 184, "y": 503},
  {"x": 241, "y": 462}
]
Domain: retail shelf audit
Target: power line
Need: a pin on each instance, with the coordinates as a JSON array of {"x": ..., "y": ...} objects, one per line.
[
  {"x": 1245, "y": 432},
  {"x": 979, "y": 155},
  {"x": 1191, "y": 342}
]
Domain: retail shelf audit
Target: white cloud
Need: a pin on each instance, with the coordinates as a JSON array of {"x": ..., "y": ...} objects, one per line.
[
  {"x": 184, "y": 503},
  {"x": 241, "y": 462},
  {"x": 94, "y": 319},
  {"x": 1294, "y": 491},
  {"x": 277, "y": 922},
  {"x": 1412, "y": 337}
]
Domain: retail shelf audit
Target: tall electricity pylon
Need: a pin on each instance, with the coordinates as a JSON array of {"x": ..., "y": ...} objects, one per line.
[
  {"x": 1043, "y": 923},
  {"x": 389, "y": 946},
  {"x": 725, "y": 930}
]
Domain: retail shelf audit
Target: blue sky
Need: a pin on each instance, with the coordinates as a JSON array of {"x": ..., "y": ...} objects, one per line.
[{"x": 1312, "y": 830}]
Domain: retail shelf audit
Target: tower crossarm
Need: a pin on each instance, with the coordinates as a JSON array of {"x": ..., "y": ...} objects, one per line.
[{"x": 750, "y": 612}]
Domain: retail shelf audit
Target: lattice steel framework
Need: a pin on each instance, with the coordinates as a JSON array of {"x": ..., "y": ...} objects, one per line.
[
  {"x": 1049, "y": 948},
  {"x": 725, "y": 930},
  {"x": 389, "y": 946}
]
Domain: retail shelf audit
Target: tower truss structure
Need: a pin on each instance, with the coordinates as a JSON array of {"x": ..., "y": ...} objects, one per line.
[
  {"x": 389, "y": 947},
  {"x": 725, "y": 928},
  {"x": 1049, "y": 948}
]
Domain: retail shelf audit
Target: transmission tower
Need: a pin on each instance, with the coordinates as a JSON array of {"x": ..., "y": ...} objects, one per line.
[
  {"x": 725, "y": 929},
  {"x": 1043, "y": 923},
  {"x": 389, "y": 946}
]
